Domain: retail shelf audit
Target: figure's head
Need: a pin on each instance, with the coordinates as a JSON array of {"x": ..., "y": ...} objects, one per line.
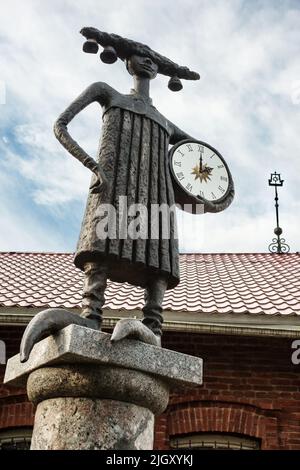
[
  {"x": 141, "y": 60},
  {"x": 142, "y": 66}
]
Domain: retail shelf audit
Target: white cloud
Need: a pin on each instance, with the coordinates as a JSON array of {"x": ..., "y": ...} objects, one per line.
[
  {"x": 244, "y": 105},
  {"x": 57, "y": 178}
]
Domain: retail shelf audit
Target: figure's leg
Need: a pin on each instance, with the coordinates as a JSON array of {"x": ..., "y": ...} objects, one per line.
[
  {"x": 154, "y": 295},
  {"x": 93, "y": 292}
]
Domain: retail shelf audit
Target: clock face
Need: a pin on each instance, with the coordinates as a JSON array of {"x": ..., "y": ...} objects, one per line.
[{"x": 201, "y": 171}]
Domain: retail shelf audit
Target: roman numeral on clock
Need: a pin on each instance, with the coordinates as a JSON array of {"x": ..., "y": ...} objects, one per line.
[
  {"x": 221, "y": 189},
  {"x": 190, "y": 148},
  {"x": 180, "y": 176},
  {"x": 177, "y": 163},
  {"x": 189, "y": 187}
]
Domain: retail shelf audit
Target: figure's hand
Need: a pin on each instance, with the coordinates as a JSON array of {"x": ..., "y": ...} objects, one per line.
[{"x": 101, "y": 182}]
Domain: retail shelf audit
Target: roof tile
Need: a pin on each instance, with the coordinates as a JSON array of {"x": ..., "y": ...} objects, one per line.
[{"x": 254, "y": 283}]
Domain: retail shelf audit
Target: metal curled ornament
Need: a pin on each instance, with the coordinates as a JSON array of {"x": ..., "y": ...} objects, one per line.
[{"x": 279, "y": 246}]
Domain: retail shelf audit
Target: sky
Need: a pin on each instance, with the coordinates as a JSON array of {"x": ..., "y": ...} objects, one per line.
[{"x": 246, "y": 105}]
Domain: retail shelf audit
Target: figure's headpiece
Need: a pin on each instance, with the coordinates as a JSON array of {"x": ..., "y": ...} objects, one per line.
[{"x": 115, "y": 47}]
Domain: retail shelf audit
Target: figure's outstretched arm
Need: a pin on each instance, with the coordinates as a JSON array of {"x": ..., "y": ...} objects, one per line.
[
  {"x": 177, "y": 134},
  {"x": 99, "y": 92}
]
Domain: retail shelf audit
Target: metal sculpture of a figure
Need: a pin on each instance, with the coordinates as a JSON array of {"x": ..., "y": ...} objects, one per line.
[{"x": 132, "y": 162}]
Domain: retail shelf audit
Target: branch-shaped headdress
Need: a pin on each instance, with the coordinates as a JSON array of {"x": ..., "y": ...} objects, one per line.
[{"x": 116, "y": 46}]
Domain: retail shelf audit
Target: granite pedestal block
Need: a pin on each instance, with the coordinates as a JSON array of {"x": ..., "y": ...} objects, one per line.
[{"x": 94, "y": 394}]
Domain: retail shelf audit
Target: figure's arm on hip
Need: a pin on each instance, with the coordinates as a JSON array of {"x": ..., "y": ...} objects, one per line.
[{"x": 99, "y": 92}]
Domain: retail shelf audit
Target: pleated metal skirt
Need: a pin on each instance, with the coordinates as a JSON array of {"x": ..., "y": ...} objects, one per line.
[{"x": 134, "y": 157}]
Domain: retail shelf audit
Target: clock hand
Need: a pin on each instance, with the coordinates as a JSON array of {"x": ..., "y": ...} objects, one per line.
[
  {"x": 200, "y": 163},
  {"x": 208, "y": 169}
]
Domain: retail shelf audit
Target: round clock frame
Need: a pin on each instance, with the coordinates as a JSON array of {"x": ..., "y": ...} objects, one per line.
[{"x": 185, "y": 199}]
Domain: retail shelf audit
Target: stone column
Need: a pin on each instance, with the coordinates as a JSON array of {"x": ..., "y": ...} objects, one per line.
[
  {"x": 94, "y": 394},
  {"x": 94, "y": 407}
]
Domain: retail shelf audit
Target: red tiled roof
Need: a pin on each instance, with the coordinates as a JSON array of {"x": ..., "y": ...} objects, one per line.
[{"x": 223, "y": 283}]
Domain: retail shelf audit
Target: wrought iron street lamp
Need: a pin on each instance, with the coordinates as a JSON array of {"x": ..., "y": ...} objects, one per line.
[{"x": 278, "y": 244}]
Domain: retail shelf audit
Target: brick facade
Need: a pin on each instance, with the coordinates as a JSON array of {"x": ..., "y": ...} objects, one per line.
[
  {"x": 15, "y": 410},
  {"x": 250, "y": 388}
]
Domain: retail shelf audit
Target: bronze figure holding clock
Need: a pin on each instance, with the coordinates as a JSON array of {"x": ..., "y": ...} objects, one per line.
[{"x": 133, "y": 162}]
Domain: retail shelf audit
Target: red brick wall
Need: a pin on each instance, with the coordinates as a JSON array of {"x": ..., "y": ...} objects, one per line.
[
  {"x": 15, "y": 410},
  {"x": 250, "y": 388}
]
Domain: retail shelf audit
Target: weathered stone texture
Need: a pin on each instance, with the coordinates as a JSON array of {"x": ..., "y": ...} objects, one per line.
[{"x": 87, "y": 424}]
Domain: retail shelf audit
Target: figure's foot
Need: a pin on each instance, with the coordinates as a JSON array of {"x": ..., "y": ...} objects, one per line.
[
  {"x": 48, "y": 322},
  {"x": 135, "y": 329}
]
